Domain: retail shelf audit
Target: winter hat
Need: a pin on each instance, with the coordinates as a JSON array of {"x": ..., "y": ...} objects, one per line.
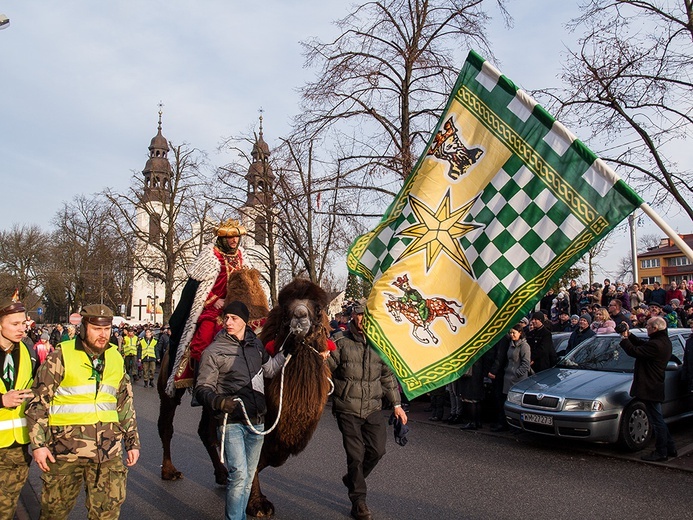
[
  {"x": 538, "y": 316},
  {"x": 587, "y": 318},
  {"x": 239, "y": 309},
  {"x": 668, "y": 309},
  {"x": 575, "y": 317}
]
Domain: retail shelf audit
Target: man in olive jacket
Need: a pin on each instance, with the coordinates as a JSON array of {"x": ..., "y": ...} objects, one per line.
[
  {"x": 651, "y": 358},
  {"x": 361, "y": 379}
]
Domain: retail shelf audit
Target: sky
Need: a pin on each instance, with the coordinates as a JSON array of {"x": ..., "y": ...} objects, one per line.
[{"x": 81, "y": 83}]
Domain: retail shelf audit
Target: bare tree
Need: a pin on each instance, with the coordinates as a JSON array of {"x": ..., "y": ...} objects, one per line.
[
  {"x": 630, "y": 82},
  {"x": 176, "y": 218},
  {"x": 295, "y": 213},
  {"x": 23, "y": 250},
  {"x": 649, "y": 241},
  {"x": 384, "y": 80},
  {"x": 87, "y": 263},
  {"x": 595, "y": 252}
]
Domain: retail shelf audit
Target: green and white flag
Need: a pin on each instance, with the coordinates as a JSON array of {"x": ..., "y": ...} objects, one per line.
[{"x": 501, "y": 203}]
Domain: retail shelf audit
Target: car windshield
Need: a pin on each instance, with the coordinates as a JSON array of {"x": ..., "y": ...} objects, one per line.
[{"x": 599, "y": 353}]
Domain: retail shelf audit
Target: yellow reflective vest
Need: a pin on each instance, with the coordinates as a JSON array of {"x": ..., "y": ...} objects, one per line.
[
  {"x": 76, "y": 400},
  {"x": 130, "y": 345},
  {"x": 148, "y": 351},
  {"x": 12, "y": 421}
]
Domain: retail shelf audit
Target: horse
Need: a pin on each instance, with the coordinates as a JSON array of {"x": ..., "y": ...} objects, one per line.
[
  {"x": 437, "y": 307},
  {"x": 243, "y": 285}
]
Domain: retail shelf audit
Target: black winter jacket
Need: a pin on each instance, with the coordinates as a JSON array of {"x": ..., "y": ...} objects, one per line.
[
  {"x": 229, "y": 367},
  {"x": 651, "y": 358},
  {"x": 360, "y": 376}
]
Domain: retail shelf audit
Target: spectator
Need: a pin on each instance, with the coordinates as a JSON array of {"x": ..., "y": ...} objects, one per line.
[
  {"x": 670, "y": 316},
  {"x": 636, "y": 297},
  {"x": 162, "y": 343},
  {"x": 673, "y": 292},
  {"x": 607, "y": 293},
  {"x": 563, "y": 324},
  {"x": 658, "y": 295},
  {"x": 541, "y": 344},
  {"x": 43, "y": 347},
  {"x": 616, "y": 312},
  {"x": 581, "y": 333},
  {"x": 651, "y": 358},
  {"x": 471, "y": 391},
  {"x": 496, "y": 374},
  {"x": 607, "y": 327},
  {"x": 56, "y": 335},
  {"x": 623, "y": 296}
]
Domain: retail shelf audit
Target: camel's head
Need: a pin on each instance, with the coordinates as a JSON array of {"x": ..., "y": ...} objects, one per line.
[{"x": 300, "y": 314}]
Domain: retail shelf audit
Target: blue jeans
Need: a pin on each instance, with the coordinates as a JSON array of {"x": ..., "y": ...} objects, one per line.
[
  {"x": 664, "y": 443},
  {"x": 241, "y": 454}
]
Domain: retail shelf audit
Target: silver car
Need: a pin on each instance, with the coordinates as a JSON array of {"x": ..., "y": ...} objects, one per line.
[{"x": 586, "y": 395}]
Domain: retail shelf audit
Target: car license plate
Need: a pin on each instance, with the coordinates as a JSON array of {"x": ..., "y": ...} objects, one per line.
[{"x": 538, "y": 419}]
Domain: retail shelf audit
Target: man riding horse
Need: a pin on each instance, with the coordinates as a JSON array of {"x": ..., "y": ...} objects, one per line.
[{"x": 412, "y": 297}]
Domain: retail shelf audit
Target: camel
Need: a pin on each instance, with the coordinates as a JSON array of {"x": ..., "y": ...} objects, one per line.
[{"x": 299, "y": 325}]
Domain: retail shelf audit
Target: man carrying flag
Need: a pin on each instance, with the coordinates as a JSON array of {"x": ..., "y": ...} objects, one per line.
[{"x": 501, "y": 203}]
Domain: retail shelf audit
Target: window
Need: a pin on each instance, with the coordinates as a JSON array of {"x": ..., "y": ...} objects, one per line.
[
  {"x": 678, "y": 261},
  {"x": 650, "y": 280},
  {"x": 650, "y": 262}
]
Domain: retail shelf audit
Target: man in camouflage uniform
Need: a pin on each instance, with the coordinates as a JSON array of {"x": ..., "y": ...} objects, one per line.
[
  {"x": 18, "y": 364},
  {"x": 76, "y": 434}
]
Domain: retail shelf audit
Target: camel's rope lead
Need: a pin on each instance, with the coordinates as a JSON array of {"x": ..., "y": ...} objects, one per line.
[
  {"x": 281, "y": 400},
  {"x": 223, "y": 436}
]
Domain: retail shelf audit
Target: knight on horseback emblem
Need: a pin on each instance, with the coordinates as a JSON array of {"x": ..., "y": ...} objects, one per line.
[{"x": 420, "y": 311}]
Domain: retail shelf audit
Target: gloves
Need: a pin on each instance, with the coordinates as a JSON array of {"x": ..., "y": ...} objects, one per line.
[
  {"x": 225, "y": 404},
  {"x": 401, "y": 430}
]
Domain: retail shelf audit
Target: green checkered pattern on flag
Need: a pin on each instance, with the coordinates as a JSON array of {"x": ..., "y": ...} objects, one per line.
[{"x": 501, "y": 203}]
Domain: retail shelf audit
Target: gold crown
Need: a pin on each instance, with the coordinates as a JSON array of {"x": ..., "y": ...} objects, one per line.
[{"x": 231, "y": 228}]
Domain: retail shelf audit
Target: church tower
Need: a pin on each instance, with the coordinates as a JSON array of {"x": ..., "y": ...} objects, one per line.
[
  {"x": 155, "y": 195},
  {"x": 258, "y": 205}
]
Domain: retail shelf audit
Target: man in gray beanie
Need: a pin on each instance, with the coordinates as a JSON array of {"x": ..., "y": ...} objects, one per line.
[{"x": 581, "y": 333}]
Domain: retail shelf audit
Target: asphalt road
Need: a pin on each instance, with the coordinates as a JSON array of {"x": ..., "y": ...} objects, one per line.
[{"x": 442, "y": 473}]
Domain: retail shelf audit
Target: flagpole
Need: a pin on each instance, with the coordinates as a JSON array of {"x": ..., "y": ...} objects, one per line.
[{"x": 667, "y": 230}]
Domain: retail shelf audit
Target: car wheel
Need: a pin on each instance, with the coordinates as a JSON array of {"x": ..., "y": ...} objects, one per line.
[{"x": 635, "y": 431}]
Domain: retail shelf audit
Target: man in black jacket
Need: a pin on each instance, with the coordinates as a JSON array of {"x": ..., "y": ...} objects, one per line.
[
  {"x": 361, "y": 379},
  {"x": 651, "y": 358},
  {"x": 541, "y": 344}
]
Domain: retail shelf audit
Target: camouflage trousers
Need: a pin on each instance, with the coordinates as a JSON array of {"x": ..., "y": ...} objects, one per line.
[
  {"x": 104, "y": 483},
  {"x": 14, "y": 468}
]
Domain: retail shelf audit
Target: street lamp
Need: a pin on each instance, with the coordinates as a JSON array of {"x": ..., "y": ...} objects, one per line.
[{"x": 4, "y": 22}]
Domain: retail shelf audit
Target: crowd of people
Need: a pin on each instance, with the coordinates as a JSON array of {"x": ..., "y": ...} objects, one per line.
[{"x": 582, "y": 311}]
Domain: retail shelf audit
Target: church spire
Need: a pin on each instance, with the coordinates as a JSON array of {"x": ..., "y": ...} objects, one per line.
[{"x": 157, "y": 171}]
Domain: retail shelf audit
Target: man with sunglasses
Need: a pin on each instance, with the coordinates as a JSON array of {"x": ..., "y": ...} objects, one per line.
[{"x": 81, "y": 414}]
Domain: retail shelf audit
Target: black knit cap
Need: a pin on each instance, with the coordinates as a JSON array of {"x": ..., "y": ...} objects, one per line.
[{"x": 239, "y": 309}]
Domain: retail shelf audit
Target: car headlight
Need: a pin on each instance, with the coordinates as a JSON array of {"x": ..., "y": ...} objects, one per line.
[
  {"x": 582, "y": 405},
  {"x": 515, "y": 397}
]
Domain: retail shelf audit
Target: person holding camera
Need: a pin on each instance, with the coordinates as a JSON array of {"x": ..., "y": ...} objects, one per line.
[
  {"x": 651, "y": 358},
  {"x": 81, "y": 414}
]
